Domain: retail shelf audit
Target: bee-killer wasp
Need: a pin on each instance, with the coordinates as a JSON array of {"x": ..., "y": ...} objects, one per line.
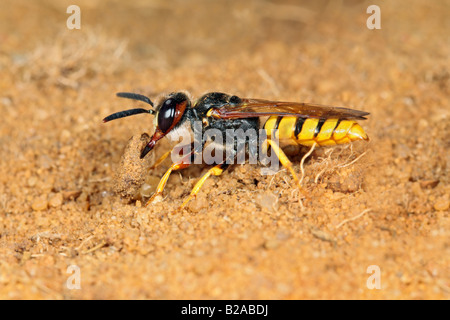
[{"x": 287, "y": 122}]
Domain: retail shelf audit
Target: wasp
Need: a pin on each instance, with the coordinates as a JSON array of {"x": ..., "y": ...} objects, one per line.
[{"x": 291, "y": 123}]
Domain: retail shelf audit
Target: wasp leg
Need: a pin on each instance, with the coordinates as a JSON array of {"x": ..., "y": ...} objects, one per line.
[
  {"x": 183, "y": 163},
  {"x": 162, "y": 183},
  {"x": 285, "y": 163},
  {"x": 215, "y": 171},
  {"x": 283, "y": 158},
  {"x": 160, "y": 160},
  {"x": 165, "y": 155}
]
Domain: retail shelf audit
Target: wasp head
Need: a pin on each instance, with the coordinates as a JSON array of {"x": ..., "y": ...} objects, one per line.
[{"x": 168, "y": 114}]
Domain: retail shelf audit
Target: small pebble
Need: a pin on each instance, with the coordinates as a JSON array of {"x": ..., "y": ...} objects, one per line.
[
  {"x": 416, "y": 189},
  {"x": 39, "y": 204},
  {"x": 32, "y": 181},
  {"x": 146, "y": 190},
  {"x": 65, "y": 135},
  {"x": 441, "y": 204},
  {"x": 271, "y": 244},
  {"x": 267, "y": 201},
  {"x": 150, "y": 185},
  {"x": 56, "y": 200}
]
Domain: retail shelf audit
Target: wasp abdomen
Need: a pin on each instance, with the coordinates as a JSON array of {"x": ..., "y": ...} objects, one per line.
[{"x": 307, "y": 131}]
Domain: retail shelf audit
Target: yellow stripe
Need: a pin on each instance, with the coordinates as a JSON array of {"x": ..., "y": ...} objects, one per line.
[
  {"x": 342, "y": 129},
  {"x": 269, "y": 125},
  {"x": 286, "y": 127},
  {"x": 327, "y": 130},
  {"x": 308, "y": 130},
  {"x": 357, "y": 133}
]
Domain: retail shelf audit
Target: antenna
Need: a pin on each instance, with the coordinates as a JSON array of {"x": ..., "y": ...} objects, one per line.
[
  {"x": 126, "y": 113},
  {"x": 130, "y": 112},
  {"x": 135, "y": 96}
]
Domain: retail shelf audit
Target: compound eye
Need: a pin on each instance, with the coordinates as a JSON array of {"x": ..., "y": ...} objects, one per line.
[{"x": 166, "y": 115}]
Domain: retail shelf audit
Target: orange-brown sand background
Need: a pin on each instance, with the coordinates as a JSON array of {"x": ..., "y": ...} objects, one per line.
[{"x": 246, "y": 236}]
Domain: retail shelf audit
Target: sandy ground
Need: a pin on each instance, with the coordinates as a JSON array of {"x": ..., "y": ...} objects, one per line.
[{"x": 247, "y": 236}]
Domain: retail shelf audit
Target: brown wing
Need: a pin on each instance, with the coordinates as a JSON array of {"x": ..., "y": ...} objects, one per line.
[{"x": 248, "y": 108}]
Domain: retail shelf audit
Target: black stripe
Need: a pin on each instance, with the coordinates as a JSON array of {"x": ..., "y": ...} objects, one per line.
[
  {"x": 319, "y": 127},
  {"x": 299, "y": 126},
  {"x": 337, "y": 124},
  {"x": 275, "y": 127}
]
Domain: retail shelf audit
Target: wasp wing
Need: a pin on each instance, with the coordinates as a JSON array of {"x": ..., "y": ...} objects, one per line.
[{"x": 248, "y": 108}]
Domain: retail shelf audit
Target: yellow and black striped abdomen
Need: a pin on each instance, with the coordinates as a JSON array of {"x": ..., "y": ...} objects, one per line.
[{"x": 306, "y": 131}]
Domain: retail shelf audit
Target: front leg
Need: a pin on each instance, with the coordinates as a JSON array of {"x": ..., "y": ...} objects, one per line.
[
  {"x": 185, "y": 162},
  {"x": 168, "y": 153}
]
